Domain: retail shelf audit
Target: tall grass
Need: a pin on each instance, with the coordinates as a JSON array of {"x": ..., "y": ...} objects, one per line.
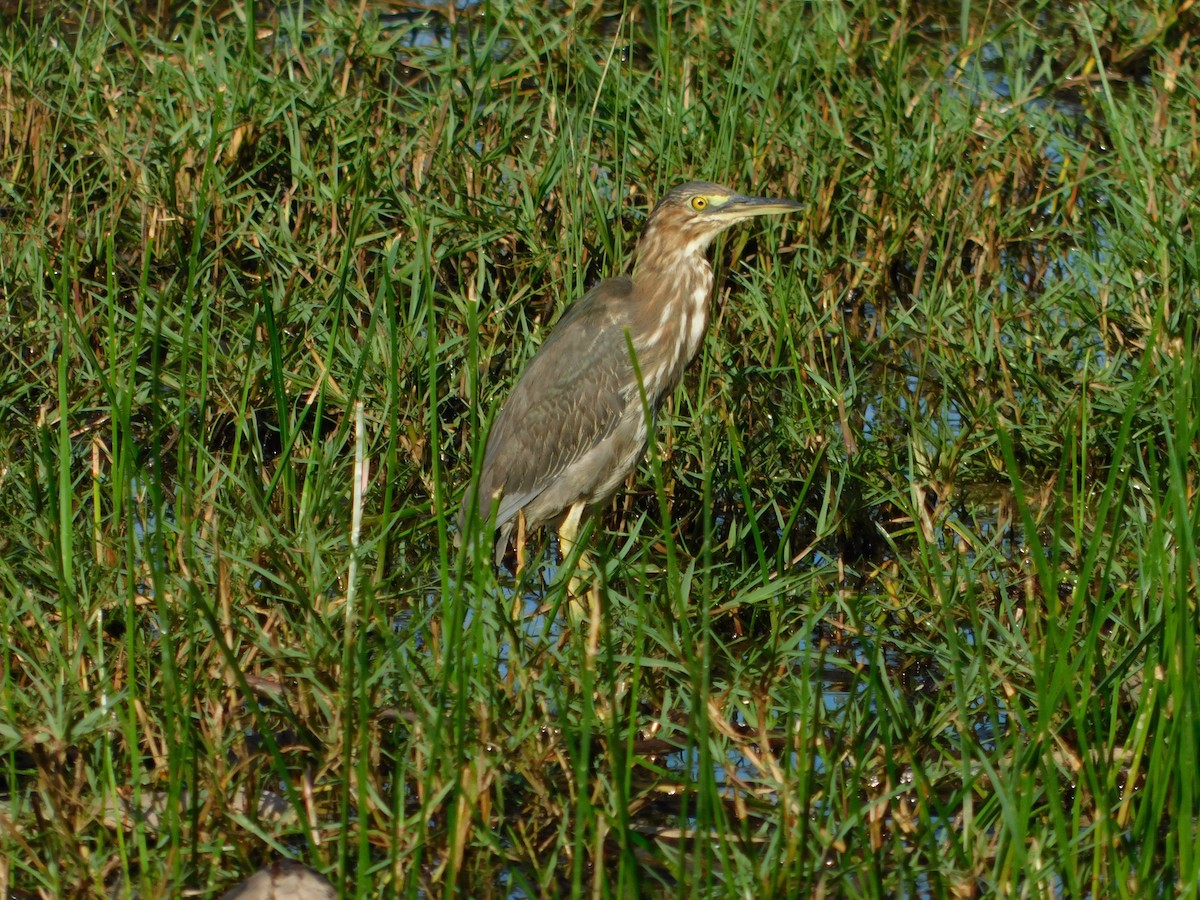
[{"x": 902, "y": 602}]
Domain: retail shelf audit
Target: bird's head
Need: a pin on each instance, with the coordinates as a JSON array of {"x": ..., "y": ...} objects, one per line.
[{"x": 689, "y": 217}]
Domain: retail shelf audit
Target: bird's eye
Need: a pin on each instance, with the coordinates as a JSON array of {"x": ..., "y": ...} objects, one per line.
[{"x": 698, "y": 203}]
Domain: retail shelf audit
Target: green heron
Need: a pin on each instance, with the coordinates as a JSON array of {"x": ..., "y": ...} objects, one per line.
[{"x": 575, "y": 425}]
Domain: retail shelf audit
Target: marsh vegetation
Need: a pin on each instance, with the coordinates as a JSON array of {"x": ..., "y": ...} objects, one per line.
[{"x": 903, "y": 602}]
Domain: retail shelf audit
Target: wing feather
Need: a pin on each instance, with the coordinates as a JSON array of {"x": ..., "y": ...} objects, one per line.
[{"x": 569, "y": 398}]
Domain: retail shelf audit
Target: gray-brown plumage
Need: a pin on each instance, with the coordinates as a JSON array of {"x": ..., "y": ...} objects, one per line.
[{"x": 574, "y": 426}]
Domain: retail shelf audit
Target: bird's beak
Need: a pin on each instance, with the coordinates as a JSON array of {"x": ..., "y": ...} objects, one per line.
[{"x": 741, "y": 207}]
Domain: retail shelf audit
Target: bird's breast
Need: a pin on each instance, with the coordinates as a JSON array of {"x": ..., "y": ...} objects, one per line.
[
  {"x": 681, "y": 323},
  {"x": 696, "y": 319}
]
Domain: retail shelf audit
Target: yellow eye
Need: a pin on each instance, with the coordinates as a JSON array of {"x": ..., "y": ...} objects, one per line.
[{"x": 698, "y": 203}]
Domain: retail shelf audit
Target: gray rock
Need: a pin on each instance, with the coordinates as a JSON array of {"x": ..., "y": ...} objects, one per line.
[{"x": 284, "y": 880}]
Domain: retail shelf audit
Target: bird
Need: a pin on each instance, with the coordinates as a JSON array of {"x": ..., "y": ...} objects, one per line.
[{"x": 575, "y": 424}]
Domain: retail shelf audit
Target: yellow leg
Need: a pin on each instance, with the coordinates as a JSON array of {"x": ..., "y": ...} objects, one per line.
[
  {"x": 593, "y": 612},
  {"x": 520, "y": 548},
  {"x": 569, "y": 530},
  {"x": 567, "y": 534}
]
